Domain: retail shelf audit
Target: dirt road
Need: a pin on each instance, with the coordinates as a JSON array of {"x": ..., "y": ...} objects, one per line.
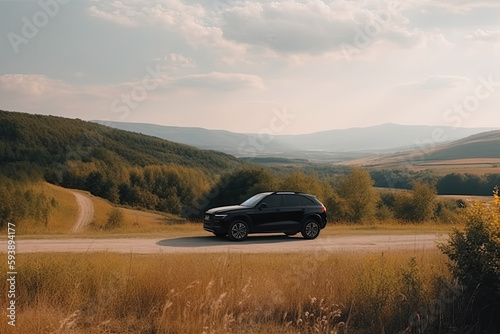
[
  {"x": 254, "y": 244},
  {"x": 85, "y": 212}
]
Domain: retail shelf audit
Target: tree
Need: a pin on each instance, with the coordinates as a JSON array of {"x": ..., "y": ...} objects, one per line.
[
  {"x": 358, "y": 195},
  {"x": 298, "y": 181},
  {"x": 424, "y": 201},
  {"x": 417, "y": 205}
]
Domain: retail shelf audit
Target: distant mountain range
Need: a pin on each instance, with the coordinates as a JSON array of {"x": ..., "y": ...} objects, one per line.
[{"x": 332, "y": 145}]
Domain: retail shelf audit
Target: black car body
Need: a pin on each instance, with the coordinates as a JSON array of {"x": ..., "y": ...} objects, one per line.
[{"x": 268, "y": 212}]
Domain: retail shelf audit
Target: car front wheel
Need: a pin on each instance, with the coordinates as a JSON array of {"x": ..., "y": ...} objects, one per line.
[
  {"x": 238, "y": 230},
  {"x": 311, "y": 229}
]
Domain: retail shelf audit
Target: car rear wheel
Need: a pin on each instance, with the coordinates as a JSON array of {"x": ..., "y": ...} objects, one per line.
[
  {"x": 311, "y": 229},
  {"x": 238, "y": 230}
]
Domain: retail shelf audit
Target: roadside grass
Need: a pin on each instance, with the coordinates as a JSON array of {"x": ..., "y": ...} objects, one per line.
[{"x": 223, "y": 293}]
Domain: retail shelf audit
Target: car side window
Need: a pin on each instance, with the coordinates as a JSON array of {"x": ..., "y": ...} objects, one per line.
[
  {"x": 293, "y": 200},
  {"x": 307, "y": 201},
  {"x": 272, "y": 201}
]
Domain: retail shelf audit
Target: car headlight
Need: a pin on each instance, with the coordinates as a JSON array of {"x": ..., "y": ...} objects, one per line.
[{"x": 219, "y": 217}]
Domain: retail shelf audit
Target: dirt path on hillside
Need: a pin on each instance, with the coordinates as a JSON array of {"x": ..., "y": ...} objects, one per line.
[
  {"x": 254, "y": 244},
  {"x": 85, "y": 212}
]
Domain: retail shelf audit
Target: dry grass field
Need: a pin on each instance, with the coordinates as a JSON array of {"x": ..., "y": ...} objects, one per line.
[
  {"x": 229, "y": 293},
  {"x": 61, "y": 217}
]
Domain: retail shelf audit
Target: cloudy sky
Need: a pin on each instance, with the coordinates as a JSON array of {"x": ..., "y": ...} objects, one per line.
[{"x": 245, "y": 66}]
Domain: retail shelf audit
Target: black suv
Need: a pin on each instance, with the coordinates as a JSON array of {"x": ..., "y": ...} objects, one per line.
[{"x": 269, "y": 212}]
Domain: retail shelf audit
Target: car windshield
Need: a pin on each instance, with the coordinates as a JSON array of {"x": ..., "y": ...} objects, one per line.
[{"x": 252, "y": 201}]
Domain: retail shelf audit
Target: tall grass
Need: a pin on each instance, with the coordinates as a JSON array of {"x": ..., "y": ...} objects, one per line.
[{"x": 229, "y": 293}]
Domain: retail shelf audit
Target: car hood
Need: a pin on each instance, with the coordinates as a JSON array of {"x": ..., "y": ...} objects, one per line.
[{"x": 223, "y": 209}]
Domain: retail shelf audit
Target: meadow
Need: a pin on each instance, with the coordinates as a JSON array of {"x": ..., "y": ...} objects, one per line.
[{"x": 230, "y": 293}]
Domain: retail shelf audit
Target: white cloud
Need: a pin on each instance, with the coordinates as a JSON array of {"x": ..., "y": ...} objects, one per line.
[
  {"x": 192, "y": 21},
  {"x": 484, "y": 35},
  {"x": 40, "y": 94},
  {"x": 117, "y": 12},
  {"x": 220, "y": 81},
  {"x": 38, "y": 88},
  {"x": 461, "y": 6},
  {"x": 31, "y": 85},
  {"x": 437, "y": 82},
  {"x": 290, "y": 27},
  {"x": 315, "y": 27}
]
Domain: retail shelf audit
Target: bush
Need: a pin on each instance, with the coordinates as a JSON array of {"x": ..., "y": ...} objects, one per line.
[
  {"x": 475, "y": 256},
  {"x": 418, "y": 205},
  {"x": 115, "y": 219}
]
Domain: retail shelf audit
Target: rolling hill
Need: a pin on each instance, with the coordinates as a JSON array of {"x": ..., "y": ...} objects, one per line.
[
  {"x": 477, "y": 151},
  {"x": 484, "y": 145},
  {"x": 46, "y": 140}
]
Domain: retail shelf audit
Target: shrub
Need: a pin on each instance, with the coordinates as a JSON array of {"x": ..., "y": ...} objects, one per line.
[
  {"x": 418, "y": 205},
  {"x": 115, "y": 219},
  {"x": 475, "y": 256}
]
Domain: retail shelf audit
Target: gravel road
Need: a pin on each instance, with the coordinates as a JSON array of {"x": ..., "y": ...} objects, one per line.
[
  {"x": 211, "y": 244},
  {"x": 85, "y": 212}
]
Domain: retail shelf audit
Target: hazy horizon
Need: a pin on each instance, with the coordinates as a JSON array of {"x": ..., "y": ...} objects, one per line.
[
  {"x": 294, "y": 67},
  {"x": 278, "y": 134}
]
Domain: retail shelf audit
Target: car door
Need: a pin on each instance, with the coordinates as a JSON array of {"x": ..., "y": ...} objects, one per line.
[
  {"x": 266, "y": 215},
  {"x": 293, "y": 212}
]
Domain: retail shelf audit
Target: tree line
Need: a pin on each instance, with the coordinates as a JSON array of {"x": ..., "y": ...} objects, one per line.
[
  {"x": 449, "y": 184},
  {"x": 349, "y": 197}
]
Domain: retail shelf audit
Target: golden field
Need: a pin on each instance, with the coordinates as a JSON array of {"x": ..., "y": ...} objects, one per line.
[{"x": 228, "y": 293}]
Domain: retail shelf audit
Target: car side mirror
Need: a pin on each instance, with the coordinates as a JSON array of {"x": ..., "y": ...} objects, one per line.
[{"x": 263, "y": 205}]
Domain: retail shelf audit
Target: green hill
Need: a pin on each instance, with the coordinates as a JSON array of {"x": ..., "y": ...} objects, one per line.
[
  {"x": 123, "y": 167},
  {"x": 44, "y": 140}
]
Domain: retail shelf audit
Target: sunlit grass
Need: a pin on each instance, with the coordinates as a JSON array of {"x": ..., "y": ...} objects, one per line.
[
  {"x": 62, "y": 215},
  {"x": 228, "y": 293}
]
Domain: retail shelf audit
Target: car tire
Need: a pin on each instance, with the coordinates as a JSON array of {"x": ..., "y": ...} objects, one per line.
[
  {"x": 310, "y": 229},
  {"x": 238, "y": 230}
]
